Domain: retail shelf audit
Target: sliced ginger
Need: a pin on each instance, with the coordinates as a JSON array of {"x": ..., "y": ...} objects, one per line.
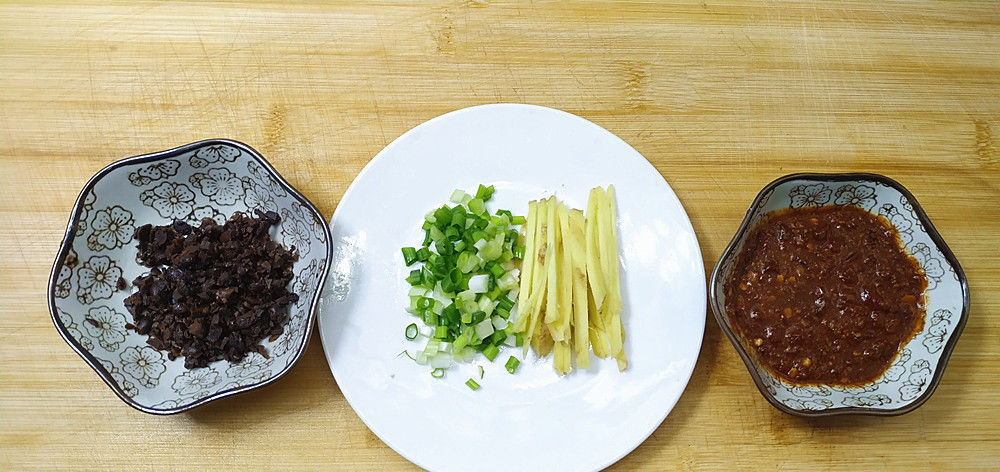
[{"x": 570, "y": 296}]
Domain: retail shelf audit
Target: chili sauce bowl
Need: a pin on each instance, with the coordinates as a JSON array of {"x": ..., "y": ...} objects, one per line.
[
  {"x": 96, "y": 263},
  {"x": 917, "y": 369}
]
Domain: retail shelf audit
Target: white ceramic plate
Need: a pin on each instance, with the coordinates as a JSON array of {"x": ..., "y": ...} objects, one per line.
[{"x": 533, "y": 420}]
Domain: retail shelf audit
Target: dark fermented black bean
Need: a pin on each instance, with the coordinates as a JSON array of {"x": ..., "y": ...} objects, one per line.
[{"x": 213, "y": 292}]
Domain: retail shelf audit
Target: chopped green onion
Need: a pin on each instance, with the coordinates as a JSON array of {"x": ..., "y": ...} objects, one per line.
[
  {"x": 505, "y": 303},
  {"x": 451, "y": 313},
  {"x": 518, "y": 340},
  {"x": 464, "y": 281},
  {"x": 483, "y": 328},
  {"x": 467, "y": 262},
  {"x": 437, "y": 373},
  {"x": 486, "y": 306},
  {"x": 456, "y": 276},
  {"x": 518, "y": 251},
  {"x": 436, "y": 233},
  {"x": 423, "y": 254},
  {"x": 491, "y": 352},
  {"x": 409, "y": 255},
  {"x": 416, "y": 277},
  {"x": 440, "y": 332},
  {"x": 479, "y": 283},
  {"x": 460, "y": 342},
  {"x": 411, "y": 331},
  {"x": 517, "y": 220},
  {"x": 447, "y": 285},
  {"x": 442, "y": 217},
  {"x": 429, "y": 278},
  {"x": 485, "y": 193},
  {"x": 490, "y": 251},
  {"x": 512, "y": 364},
  {"x": 477, "y": 206},
  {"x": 458, "y": 216},
  {"x": 444, "y": 247},
  {"x": 425, "y": 303},
  {"x": 495, "y": 269},
  {"x": 472, "y": 384},
  {"x": 507, "y": 282}
]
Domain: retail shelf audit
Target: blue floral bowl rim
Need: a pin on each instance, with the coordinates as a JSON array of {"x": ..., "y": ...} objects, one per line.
[
  {"x": 720, "y": 314},
  {"x": 66, "y": 245}
]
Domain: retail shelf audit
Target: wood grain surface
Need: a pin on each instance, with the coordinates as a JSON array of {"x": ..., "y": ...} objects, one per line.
[{"x": 721, "y": 98}]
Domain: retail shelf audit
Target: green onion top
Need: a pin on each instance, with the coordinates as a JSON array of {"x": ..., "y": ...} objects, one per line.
[
  {"x": 409, "y": 255},
  {"x": 411, "y": 331},
  {"x": 512, "y": 364}
]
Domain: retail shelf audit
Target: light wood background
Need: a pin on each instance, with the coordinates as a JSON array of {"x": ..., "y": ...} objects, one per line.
[{"x": 721, "y": 98}]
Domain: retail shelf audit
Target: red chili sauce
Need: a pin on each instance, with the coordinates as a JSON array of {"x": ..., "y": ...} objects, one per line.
[{"x": 825, "y": 295}]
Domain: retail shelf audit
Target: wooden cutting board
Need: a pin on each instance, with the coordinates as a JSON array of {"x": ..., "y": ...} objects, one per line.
[{"x": 721, "y": 98}]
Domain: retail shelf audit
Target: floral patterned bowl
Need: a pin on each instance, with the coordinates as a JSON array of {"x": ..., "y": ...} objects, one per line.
[
  {"x": 207, "y": 179},
  {"x": 916, "y": 371}
]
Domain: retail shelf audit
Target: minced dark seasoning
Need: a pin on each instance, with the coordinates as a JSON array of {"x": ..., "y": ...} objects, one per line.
[{"x": 213, "y": 292}]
